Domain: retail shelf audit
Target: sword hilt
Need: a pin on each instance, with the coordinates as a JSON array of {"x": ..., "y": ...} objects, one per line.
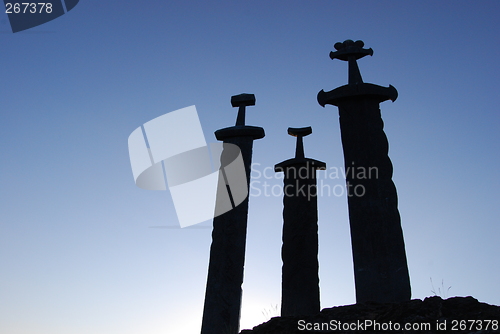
[
  {"x": 300, "y": 133},
  {"x": 242, "y": 101},
  {"x": 351, "y": 51}
]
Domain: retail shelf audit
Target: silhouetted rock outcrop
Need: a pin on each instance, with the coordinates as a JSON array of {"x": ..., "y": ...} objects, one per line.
[{"x": 454, "y": 313}]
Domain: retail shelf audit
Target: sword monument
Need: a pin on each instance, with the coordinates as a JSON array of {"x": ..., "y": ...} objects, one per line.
[
  {"x": 221, "y": 313},
  {"x": 380, "y": 267},
  {"x": 300, "y": 281}
]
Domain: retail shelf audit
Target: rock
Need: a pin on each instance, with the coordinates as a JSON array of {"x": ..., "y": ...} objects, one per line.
[{"x": 431, "y": 315}]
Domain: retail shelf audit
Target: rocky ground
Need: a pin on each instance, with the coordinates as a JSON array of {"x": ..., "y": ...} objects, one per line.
[{"x": 432, "y": 315}]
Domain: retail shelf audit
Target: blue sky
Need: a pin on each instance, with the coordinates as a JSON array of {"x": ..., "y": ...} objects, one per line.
[{"x": 77, "y": 251}]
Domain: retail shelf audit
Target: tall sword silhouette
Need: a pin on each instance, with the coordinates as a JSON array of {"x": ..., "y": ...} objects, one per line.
[
  {"x": 221, "y": 313},
  {"x": 380, "y": 266}
]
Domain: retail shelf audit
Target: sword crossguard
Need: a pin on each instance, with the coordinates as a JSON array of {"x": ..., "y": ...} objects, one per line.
[
  {"x": 299, "y": 133},
  {"x": 242, "y": 101}
]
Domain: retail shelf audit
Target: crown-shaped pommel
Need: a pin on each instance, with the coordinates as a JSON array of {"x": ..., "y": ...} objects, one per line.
[
  {"x": 351, "y": 51},
  {"x": 350, "y": 48},
  {"x": 242, "y": 101},
  {"x": 299, "y": 133}
]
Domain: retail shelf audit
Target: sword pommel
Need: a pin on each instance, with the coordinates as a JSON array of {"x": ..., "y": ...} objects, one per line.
[{"x": 242, "y": 101}]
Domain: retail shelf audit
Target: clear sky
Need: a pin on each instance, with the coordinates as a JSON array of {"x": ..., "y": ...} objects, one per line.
[{"x": 78, "y": 253}]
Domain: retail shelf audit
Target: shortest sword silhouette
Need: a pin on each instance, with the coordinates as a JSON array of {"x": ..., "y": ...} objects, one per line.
[{"x": 300, "y": 281}]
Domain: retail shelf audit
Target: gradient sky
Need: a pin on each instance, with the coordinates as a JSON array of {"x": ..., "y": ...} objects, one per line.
[{"x": 79, "y": 252}]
